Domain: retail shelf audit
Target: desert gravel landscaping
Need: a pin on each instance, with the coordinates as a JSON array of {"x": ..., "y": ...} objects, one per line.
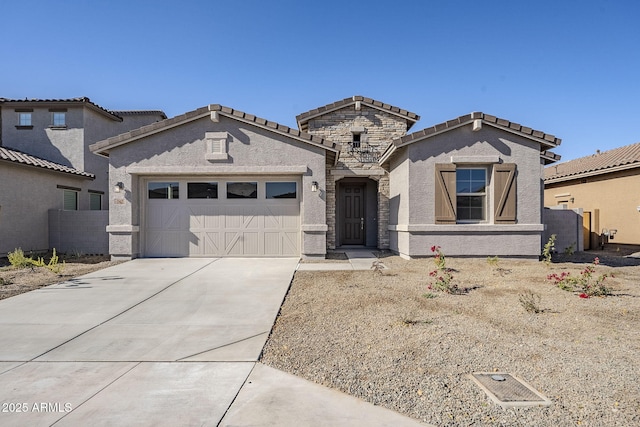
[
  {"x": 386, "y": 338},
  {"x": 378, "y": 337},
  {"x": 17, "y": 281}
]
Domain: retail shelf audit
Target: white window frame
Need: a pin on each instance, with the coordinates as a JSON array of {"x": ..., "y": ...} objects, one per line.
[
  {"x": 485, "y": 195},
  {"x": 56, "y": 117},
  {"x": 24, "y": 119}
]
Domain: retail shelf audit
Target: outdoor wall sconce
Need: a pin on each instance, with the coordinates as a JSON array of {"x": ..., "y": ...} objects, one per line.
[
  {"x": 118, "y": 187},
  {"x": 572, "y": 200},
  {"x": 314, "y": 186}
]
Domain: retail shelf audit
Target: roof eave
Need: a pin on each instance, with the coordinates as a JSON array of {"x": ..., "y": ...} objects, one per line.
[
  {"x": 303, "y": 119},
  {"x": 80, "y": 175},
  {"x": 103, "y": 147},
  {"x": 592, "y": 173}
]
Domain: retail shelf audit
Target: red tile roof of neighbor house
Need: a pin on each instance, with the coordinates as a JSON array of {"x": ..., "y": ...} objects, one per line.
[
  {"x": 21, "y": 158},
  {"x": 303, "y": 119},
  {"x": 626, "y": 157},
  {"x": 116, "y": 115}
]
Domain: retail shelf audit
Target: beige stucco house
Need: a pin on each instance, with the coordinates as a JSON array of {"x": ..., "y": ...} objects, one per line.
[
  {"x": 221, "y": 182},
  {"x": 605, "y": 186}
]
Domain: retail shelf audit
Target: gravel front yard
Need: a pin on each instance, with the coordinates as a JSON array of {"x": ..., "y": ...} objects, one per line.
[
  {"x": 377, "y": 337},
  {"x": 18, "y": 281}
]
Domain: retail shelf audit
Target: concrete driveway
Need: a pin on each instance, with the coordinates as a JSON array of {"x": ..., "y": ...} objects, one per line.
[{"x": 160, "y": 342}]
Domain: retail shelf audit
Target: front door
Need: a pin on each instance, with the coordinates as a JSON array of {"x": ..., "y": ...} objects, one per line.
[{"x": 353, "y": 214}]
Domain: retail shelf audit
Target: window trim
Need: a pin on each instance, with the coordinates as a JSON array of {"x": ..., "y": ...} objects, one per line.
[
  {"x": 485, "y": 196},
  {"x": 25, "y": 125},
  {"x": 55, "y": 111}
]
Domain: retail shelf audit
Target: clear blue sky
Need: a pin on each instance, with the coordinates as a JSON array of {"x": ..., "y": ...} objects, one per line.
[{"x": 567, "y": 67}]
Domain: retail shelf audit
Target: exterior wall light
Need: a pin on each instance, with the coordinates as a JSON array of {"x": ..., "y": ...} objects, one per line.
[
  {"x": 314, "y": 186},
  {"x": 118, "y": 187}
]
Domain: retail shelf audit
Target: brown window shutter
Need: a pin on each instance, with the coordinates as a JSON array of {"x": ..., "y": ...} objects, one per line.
[
  {"x": 445, "y": 196},
  {"x": 505, "y": 193}
]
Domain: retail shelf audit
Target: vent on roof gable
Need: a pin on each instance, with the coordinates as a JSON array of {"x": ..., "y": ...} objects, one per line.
[{"x": 216, "y": 146}]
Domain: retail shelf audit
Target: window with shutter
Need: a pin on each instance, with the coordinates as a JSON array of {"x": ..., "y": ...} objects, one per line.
[{"x": 461, "y": 194}]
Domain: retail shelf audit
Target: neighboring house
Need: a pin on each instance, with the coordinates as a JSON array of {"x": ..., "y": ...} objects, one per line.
[
  {"x": 46, "y": 167},
  {"x": 605, "y": 186},
  {"x": 30, "y": 187},
  {"x": 220, "y": 182}
]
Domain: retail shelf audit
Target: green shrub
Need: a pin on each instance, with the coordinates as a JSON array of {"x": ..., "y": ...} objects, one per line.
[
  {"x": 18, "y": 259},
  {"x": 547, "y": 251}
]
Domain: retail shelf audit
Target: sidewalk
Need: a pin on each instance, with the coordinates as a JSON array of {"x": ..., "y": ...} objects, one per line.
[{"x": 359, "y": 259}]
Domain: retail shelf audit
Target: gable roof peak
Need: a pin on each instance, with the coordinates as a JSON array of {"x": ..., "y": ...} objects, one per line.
[
  {"x": 303, "y": 118},
  {"x": 214, "y": 111}
]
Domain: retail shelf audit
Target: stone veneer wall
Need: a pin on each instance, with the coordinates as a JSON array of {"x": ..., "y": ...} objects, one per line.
[{"x": 380, "y": 129}]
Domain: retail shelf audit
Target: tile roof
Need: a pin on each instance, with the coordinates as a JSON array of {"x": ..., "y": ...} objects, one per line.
[
  {"x": 626, "y": 157},
  {"x": 303, "y": 118},
  {"x": 140, "y": 113},
  {"x": 18, "y": 157},
  {"x": 81, "y": 100},
  {"x": 102, "y": 147},
  {"x": 546, "y": 140},
  {"x": 116, "y": 115}
]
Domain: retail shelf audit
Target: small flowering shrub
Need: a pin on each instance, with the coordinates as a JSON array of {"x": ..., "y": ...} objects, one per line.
[
  {"x": 442, "y": 275},
  {"x": 586, "y": 284}
]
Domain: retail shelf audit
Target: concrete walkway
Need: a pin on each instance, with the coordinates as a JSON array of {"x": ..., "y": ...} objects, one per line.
[
  {"x": 161, "y": 342},
  {"x": 359, "y": 259}
]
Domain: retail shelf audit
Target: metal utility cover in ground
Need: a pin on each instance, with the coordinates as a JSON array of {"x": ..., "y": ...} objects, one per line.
[{"x": 508, "y": 391}]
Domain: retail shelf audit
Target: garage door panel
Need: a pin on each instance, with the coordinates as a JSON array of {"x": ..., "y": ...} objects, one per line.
[
  {"x": 203, "y": 217},
  {"x": 222, "y": 227},
  {"x": 168, "y": 243},
  {"x": 233, "y": 243},
  {"x": 290, "y": 243},
  {"x": 250, "y": 243},
  {"x": 212, "y": 243}
]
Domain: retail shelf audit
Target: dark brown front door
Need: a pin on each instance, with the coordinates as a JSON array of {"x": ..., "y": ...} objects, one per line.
[{"x": 353, "y": 214}]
